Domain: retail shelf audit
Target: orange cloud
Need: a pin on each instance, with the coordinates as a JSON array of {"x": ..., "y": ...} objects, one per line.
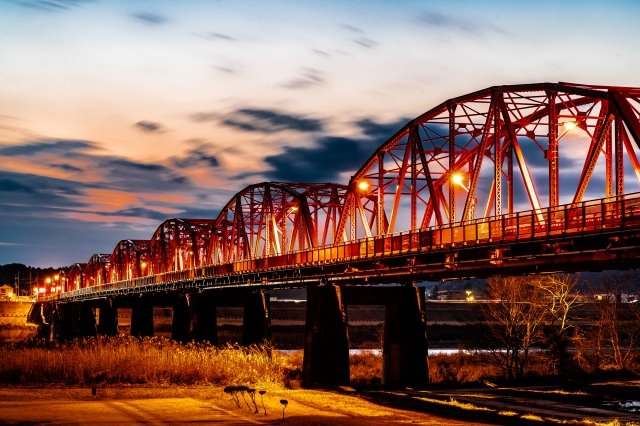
[
  {"x": 110, "y": 200},
  {"x": 98, "y": 218}
]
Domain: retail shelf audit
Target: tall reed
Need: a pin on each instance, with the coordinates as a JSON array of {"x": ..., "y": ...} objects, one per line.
[{"x": 128, "y": 360}]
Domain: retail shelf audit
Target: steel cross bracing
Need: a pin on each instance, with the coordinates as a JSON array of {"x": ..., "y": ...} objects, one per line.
[
  {"x": 518, "y": 141},
  {"x": 472, "y": 162},
  {"x": 130, "y": 259}
]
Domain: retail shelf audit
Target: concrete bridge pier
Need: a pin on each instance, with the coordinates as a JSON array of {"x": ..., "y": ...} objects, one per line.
[
  {"x": 71, "y": 320},
  {"x": 404, "y": 354},
  {"x": 326, "y": 342},
  {"x": 60, "y": 323},
  {"x": 86, "y": 326},
  {"x": 256, "y": 322},
  {"x": 142, "y": 317},
  {"x": 181, "y": 321},
  {"x": 108, "y": 318},
  {"x": 204, "y": 321},
  {"x": 41, "y": 314}
]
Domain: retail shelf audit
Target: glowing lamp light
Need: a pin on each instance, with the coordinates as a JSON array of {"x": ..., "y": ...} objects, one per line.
[
  {"x": 458, "y": 179},
  {"x": 48, "y": 280},
  {"x": 363, "y": 185},
  {"x": 56, "y": 277},
  {"x": 41, "y": 290},
  {"x": 567, "y": 126}
]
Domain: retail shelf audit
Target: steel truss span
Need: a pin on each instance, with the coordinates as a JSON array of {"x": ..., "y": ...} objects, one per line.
[
  {"x": 499, "y": 150},
  {"x": 521, "y": 179}
]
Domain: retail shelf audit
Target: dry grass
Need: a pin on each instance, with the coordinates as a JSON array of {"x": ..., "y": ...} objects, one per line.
[
  {"x": 17, "y": 332},
  {"x": 461, "y": 367},
  {"x": 156, "y": 361},
  {"x": 365, "y": 369}
]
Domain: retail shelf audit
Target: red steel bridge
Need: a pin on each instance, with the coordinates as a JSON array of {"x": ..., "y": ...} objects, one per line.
[{"x": 532, "y": 178}]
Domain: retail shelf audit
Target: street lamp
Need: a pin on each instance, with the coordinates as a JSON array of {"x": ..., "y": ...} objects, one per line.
[
  {"x": 458, "y": 179},
  {"x": 568, "y": 125},
  {"x": 363, "y": 185}
]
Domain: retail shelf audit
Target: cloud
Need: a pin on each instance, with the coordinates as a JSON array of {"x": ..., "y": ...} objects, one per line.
[
  {"x": 67, "y": 167},
  {"x": 220, "y": 37},
  {"x": 352, "y": 29},
  {"x": 310, "y": 77},
  {"x": 366, "y": 42},
  {"x": 40, "y": 193},
  {"x": 137, "y": 212},
  {"x": 321, "y": 52},
  {"x": 270, "y": 121},
  {"x": 50, "y": 5},
  {"x": 203, "y": 117},
  {"x": 225, "y": 70},
  {"x": 199, "y": 155},
  {"x": 48, "y": 145},
  {"x": 331, "y": 155},
  {"x": 149, "y": 18},
  {"x": 136, "y": 176},
  {"x": 149, "y": 126},
  {"x": 435, "y": 19}
]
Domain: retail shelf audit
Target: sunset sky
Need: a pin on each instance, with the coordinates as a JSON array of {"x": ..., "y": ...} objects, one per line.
[{"x": 116, "y": 115}]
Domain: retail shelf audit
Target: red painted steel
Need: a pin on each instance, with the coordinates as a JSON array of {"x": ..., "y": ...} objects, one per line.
[
  {"x": 130, "y": 259},
  {"x": 520, "y": 140},
  {"x": 179, "y": 244},
  {"x": 272, "y": 218},
  {"x": 433, "y": 253},
  {"x": 75, "y": 276},
  {"x": 96, "y": 271},
  {"x": 503, "y": 165}
]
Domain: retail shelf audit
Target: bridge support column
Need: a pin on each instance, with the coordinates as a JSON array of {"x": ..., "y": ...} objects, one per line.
[
  {"x": 181, "y": 321},
  {"x": 61, "y": 322},
  {"x": 256, "y": 324},
  {"x": 41, "y": 314},
  {"x": 108, "y": 318},
  {"x": 404, "y": 354},
  {"x": 142, "y": 317},
  {"x": 71, "y": 320},
  {"x": 326, "y": 342},
  {"x": 204, "y": 321},
  {"x": 86, "y": 325}
]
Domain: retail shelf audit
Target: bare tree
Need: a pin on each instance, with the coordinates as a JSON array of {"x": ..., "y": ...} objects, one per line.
[
  {"x": 614, "y": 339},
  {"x": 515, "y": 315},
  {"x": 559, "y": 299}
]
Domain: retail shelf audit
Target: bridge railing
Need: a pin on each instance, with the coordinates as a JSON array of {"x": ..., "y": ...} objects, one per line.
[{"x": 602, "y": 215}]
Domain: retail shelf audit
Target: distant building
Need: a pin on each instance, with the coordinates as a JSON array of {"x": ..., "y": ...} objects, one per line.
[{"x": 6, "y": 292}]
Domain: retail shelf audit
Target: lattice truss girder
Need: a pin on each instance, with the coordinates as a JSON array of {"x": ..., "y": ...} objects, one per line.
[
  {"x": 75, "y": 277},
  {"x": 499, "y": 150},
  {"x": 130, "y": 259},
  {"x": 96, "y": 271},
  {"x": 272, "y": 218},
  {"x": 179, "y": 244}
]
